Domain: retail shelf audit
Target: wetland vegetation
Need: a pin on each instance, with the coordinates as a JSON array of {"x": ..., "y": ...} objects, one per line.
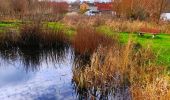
[{"x": 54, "y": 56}]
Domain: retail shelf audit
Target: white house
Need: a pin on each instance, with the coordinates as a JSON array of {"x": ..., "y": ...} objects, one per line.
[{"x": 165, "y": 16}]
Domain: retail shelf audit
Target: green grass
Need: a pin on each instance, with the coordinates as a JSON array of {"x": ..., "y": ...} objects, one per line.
[
  {"x": 9, "y": 25},
  {"x": 160, "y": 44},
  {"x": 57, "y": 25}
]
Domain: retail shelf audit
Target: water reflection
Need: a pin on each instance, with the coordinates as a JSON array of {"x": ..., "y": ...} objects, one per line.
[
  {"x": 37, "y": 74},
  {"x": 31, "y": 58},
  {"x": 113, "y": 92}
]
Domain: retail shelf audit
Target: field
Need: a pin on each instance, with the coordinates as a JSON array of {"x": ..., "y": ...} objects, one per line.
[{"x": 160, "y": 44}]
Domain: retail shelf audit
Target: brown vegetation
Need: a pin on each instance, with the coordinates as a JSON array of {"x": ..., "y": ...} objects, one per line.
[
  {"x": 38, "y": 36},
  {"x": 87, "y": 40},
  {"x": 24, "y": 9},
  {"x": 34, "y": 36},
  {"x": 120, "y": 66},
  {"x": 117, "y": 25},
  {"x": 140, "y": 9}
]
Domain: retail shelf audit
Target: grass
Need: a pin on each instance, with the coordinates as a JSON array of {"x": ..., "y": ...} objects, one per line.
[
  {"x": 9, "y": 25},
  {"x": 160, "y": 44}
]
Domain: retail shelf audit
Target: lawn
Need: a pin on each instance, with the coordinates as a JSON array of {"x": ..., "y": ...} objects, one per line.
[{"x": 160, "y": 44}]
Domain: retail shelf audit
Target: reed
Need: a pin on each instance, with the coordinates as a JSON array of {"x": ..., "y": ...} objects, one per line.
[
  {"x": 42, "y": 37},
  {"x": 8, "y": 39},
  {"x": 127, "y": 66},
  {"x": 87, "y": 40}
]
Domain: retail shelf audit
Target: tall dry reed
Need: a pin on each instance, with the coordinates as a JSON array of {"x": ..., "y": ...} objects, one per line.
[
  {"x": 122, "y": 66},
  {"x": 87, "y": 40}
]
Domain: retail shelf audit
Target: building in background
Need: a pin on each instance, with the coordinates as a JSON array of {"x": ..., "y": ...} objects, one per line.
[{"x": 96, "y": 8}]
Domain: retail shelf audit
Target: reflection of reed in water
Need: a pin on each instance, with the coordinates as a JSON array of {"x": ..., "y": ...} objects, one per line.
[
  {"x": 33, "y": 44},
  {"x": 100, "y": 78},
  {"x": 32, "y": 58},
  {"x": 7, "y": 54}
]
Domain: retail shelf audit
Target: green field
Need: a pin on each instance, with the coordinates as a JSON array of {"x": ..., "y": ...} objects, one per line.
[{"x": 160, "y": 44}]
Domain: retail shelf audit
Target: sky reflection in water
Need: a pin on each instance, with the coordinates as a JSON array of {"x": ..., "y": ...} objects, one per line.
[{"x": 36, "y": 77}]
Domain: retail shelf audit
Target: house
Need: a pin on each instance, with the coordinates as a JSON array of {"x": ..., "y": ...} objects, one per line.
[
  {"x": 166, "y": 14},
  {"x": 105, "y": 8},
  {"x": 96, "y": 8}
]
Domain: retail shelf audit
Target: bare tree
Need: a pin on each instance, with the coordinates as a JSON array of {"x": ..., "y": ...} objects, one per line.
[
  {"x": 140, "y": 9},
  {"x": 5, "y": 7}
]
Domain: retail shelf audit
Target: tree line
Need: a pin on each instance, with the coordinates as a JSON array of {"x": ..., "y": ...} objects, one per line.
[
  {"x": 140, "y": 9},
  {"x": 23, "y": 7}
]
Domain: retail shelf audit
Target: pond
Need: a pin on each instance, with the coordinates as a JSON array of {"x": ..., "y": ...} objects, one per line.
[{"x": 35, "y": 74}]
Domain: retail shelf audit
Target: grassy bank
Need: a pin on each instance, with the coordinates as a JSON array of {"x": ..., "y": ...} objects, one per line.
[{"x": 160, "y": 44}]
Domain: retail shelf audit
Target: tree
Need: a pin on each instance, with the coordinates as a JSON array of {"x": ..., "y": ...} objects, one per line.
[
  {"x": 140, "y": 9},
  {"x": 4, "y": 7},
  {"x": 19, "y": 6}
]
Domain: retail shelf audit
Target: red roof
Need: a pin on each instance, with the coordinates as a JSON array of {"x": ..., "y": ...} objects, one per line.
[{"x": 104, "y": 6}]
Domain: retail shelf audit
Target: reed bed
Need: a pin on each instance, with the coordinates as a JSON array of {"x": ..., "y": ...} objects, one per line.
[
  {"x": 124, "y": 66},
  {"x": 80, "y": 20},
  {"x": 34, "y": 36},
  {"x": 87, "y": 40}
]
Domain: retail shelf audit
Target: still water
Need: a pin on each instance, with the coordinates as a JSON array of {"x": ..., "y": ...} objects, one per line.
[{"x": 35, "y": 74}]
